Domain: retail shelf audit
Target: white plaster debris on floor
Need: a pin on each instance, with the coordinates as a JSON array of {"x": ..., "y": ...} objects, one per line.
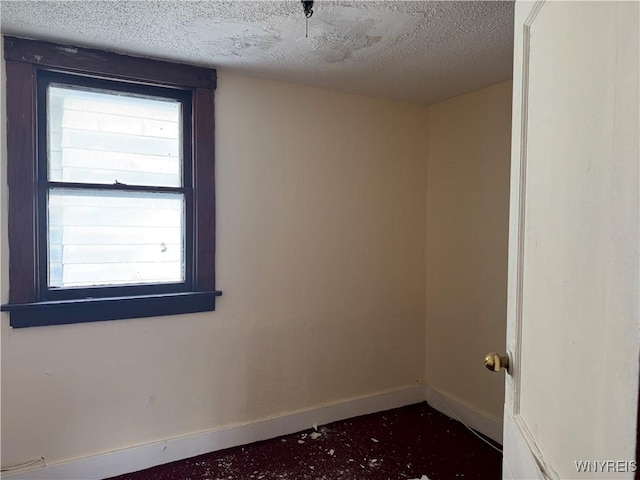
[{"x": 226, "y": 470}]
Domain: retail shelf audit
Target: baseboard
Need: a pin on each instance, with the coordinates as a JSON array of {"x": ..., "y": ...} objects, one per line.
[
  {"x": 455, "y": 408},
  {"x": 144, "y": 456},
  {"x": 158, "y": 453}
]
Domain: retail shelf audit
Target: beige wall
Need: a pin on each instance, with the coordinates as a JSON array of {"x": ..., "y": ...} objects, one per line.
[
  {"x": 467, "y": 235},
  {"x": 321, "y": 259},
  {"x": 321, "y": 231}
]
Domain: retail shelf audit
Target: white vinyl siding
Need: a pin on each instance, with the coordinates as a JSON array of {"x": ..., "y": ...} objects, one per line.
[{"x": 110, "y": 237}]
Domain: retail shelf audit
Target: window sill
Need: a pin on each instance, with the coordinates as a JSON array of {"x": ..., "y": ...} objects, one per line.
[{"x": 113, "y": 308}]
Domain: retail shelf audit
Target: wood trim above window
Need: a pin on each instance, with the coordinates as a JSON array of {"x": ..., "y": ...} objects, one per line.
[
  {"x": 109, "y": 64},
  {"x": 25, "y": 59}
]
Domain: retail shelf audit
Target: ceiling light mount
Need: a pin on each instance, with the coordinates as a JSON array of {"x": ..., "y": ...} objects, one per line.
[{"x": 307, "y": 6}]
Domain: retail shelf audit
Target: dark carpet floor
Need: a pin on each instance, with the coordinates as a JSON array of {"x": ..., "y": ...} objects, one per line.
[{"x": 404, "y": 443}]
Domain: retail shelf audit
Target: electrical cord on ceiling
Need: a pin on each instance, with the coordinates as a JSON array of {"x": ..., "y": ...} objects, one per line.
[
  {"x": 307, "y": 7},
  {"x": 471, "y": 429}
]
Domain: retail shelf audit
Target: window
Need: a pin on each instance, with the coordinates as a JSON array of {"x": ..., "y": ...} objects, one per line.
[
  {"x": 111, "y": 186},
  {"x": 114, "y": 189}
]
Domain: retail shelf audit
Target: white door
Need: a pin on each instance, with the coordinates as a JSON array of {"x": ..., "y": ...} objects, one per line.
[{"x": 573, "y": 313}]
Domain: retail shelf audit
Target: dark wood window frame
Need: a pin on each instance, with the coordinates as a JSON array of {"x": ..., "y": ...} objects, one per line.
[{"x": 27, "y": 62}]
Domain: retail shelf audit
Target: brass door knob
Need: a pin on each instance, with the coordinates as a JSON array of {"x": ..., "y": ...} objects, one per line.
[{"x": 496, "y": 362}]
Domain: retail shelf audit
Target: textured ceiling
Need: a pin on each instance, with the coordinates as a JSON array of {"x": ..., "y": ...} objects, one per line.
[{"x": 421, "y": 51}]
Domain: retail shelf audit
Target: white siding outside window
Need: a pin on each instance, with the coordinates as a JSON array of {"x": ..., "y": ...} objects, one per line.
[{"x": 109, "y": 237}]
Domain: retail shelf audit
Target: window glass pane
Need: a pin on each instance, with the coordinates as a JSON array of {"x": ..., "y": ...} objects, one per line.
[
  {"x": 109, "y": 137},
  {"x": 99, "y": 238}
]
